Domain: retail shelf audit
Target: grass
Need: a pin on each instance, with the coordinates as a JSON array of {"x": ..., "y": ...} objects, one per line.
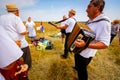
[{"x": 47, "y": 64}]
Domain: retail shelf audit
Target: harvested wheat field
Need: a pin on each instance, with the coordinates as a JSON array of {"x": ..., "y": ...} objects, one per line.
[{"x": 48, "y": 65}]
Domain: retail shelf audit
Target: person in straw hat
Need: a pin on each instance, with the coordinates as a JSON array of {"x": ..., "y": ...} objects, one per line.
[
  {"x": 114, "y": 29},
  {"x": 11, "y": 7},
  {"x": 119, "y": 31},
  {"x": 16, "y": 30},
  {"x": 69, "y": 24}
]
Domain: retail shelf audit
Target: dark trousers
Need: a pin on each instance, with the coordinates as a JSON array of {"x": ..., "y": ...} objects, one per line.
[
  {"x": 81, "y": 64},
  {"x": 66, "y": 50},
  {"x": 112, "y": 37},
  {"x": 27, "y": 56}
]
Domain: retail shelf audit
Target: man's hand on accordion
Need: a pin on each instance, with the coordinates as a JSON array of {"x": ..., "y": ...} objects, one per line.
[{"x": 79, "y": 43}]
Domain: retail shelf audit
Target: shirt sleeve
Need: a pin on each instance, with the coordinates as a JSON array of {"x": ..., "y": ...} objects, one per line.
[
  {"x": 68, "y": 21},
  {"x": 20, "y": 27},
  {"x": 103, "y": 32}
]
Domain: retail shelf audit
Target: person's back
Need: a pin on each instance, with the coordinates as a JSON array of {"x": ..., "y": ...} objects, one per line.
[
  {"x": 13, "y": 26},
  {"x": 9, "y": 22},
  {"x": 10, "y": 53},
  {"x": 119, "y": 32},
  {"x": 16, "y": 30},
  {"x": 114, "y": 29}
]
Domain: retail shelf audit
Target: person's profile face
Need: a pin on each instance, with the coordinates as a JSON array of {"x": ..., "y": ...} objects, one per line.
[
  {"x": 17, "y": 12},
  {"x": 29, "y": 19},
  {"x": 91, "y": 10},
  {"x": 70, "y": 14}
]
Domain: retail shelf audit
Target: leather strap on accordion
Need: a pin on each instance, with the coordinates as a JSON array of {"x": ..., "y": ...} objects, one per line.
[{"x": 79, "y": 32}]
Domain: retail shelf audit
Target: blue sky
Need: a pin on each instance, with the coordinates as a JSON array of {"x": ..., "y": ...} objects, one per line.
[{"x": 53, "y": 10}]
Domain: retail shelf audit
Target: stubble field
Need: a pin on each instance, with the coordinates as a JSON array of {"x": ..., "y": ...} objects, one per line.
[{"x": 48, "y": 65}]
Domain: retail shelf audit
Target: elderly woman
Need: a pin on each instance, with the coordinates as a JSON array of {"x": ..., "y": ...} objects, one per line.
[{"x": 31, "y": 28}]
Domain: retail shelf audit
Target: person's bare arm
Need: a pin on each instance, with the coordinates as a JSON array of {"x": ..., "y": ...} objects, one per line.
[
  {"x": 93, "y": 45},
  {"x": 18, "y": 42},
  {"x": 62, "y": 27},
  {"x": 24, "y": 33},
  {"x": 97, "y": 45}
]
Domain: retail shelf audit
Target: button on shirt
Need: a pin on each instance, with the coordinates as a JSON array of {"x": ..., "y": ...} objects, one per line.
[{"x": 102, "y": 31}]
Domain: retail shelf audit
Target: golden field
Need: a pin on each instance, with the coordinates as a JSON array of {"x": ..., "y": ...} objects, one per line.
[{"x": 48, "y": 65}]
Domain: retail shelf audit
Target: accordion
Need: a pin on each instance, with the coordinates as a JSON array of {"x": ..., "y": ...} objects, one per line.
[{"x": 79, "y": 32}]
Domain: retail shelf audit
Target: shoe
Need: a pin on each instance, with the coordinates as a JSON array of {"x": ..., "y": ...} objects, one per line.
[{"x": 63, "y": 56}]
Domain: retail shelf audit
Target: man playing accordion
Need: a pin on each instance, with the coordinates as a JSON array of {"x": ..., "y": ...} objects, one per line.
[{"x": 101, "y": 27}]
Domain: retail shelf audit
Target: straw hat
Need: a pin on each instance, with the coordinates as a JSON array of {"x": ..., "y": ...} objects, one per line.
[
  {"x": 72, "y": 11},
  {"x": 11, "y": 7},
  {"x": 116, "y": 22}
]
